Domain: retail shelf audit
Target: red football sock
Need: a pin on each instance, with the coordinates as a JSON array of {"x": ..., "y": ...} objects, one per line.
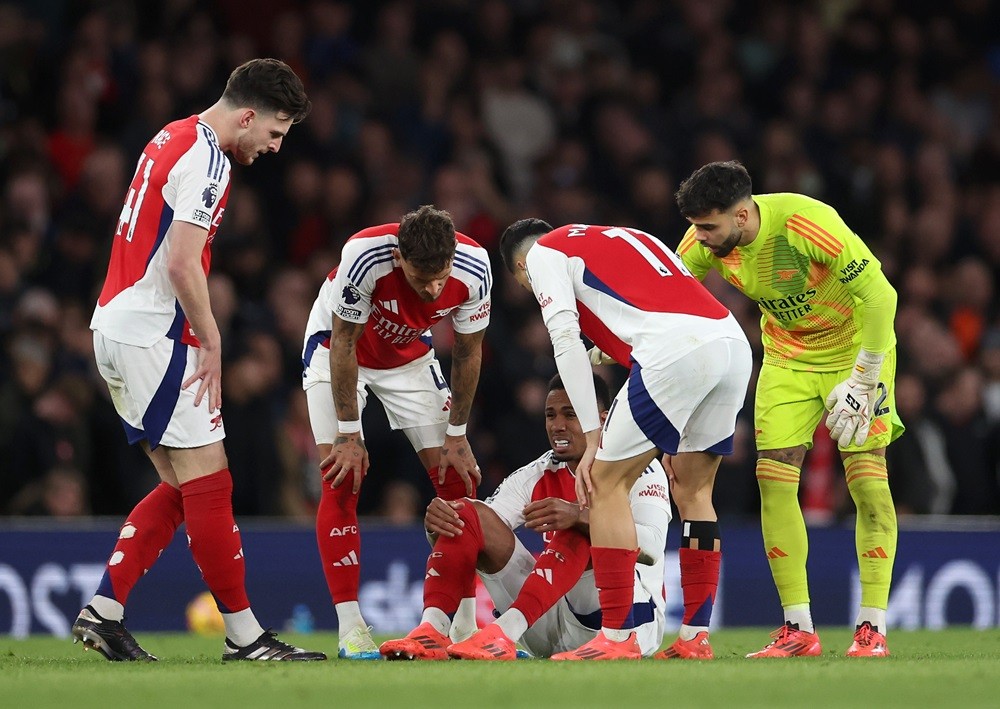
[
  {"x": 614, "y": 574},
  {"x": 452, "y": 564},
  {"x": 453, "y": 487},
  {"x": 339, "y": 541},
  {"x": 147, "y": 531},
  {"x": 215, "y": 538},
  {"x": 699, "y": 583},
  {"x": 557, "y": 570},
  {"x": 699, "y": 562}
]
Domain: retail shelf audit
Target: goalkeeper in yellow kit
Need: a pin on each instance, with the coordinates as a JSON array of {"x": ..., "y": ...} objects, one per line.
[{"x": 829, "y": 346}]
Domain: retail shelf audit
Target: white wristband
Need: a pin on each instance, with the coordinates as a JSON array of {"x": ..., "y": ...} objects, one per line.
[
  {"x": 867, "y": 368},
  {"x": 349, "y": 426},
  {"x": 455, "y": 431}
]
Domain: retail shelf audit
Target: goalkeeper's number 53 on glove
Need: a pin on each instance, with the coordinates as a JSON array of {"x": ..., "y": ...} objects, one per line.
[{"x": 852, "y": 402}]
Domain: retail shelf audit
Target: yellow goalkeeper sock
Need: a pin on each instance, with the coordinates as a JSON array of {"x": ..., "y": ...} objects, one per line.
[
  {"x": 785, "y": 540},
  {"x": 875, "y": 534}
]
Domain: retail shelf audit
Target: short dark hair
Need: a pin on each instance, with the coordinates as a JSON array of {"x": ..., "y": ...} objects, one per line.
[
  {"x": 600, "y": 387},
  {"x": 715, "y": 186},
  {"x": 516, "y": 234},
  {"x": 427, "y": 238},
  {"x": 268, "y": 85}
]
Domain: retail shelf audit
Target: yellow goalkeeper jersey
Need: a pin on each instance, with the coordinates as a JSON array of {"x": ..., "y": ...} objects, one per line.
[{"x": 806, "y": 269}]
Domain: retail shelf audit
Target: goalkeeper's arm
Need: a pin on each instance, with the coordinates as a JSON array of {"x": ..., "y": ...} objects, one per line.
[{"x": 851, "y": 402}]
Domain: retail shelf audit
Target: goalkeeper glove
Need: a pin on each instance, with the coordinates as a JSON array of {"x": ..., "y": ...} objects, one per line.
[
  {"x": 598, "y": 357},
  {"x": 852, "y": 402}
]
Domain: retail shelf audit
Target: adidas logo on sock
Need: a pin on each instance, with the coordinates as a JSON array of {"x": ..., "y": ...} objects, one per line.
[
  {"x": 775, "y": 553},
  {"x": 431, "y": 572},
  {"x": 545, "y": 574},
  {"x": 876, "y": 553},
  {"x": 349, "y": 560}
]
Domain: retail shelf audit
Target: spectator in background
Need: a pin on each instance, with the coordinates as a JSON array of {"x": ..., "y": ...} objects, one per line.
[{"x": 887, "y": 110}]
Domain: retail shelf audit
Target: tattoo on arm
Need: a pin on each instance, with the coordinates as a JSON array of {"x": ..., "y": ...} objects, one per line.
[
  {"x": 466, "y": 361},
  {"x": 344, "y": 367}
]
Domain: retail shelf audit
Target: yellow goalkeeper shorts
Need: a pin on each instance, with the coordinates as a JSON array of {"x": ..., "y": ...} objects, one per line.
[{"x": 790, "y": 404}]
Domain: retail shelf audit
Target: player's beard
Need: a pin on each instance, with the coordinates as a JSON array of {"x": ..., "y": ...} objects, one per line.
[{"x": 727, "y": 246}]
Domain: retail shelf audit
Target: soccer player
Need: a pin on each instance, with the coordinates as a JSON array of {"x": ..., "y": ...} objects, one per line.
[
  {"x": 689, "y": 368},
  {"x": 370, "y": 329},
  {"x": 158, "y": 348},
  {"x": 828, "y": 344},
  {"x": 550, "y": 605}
]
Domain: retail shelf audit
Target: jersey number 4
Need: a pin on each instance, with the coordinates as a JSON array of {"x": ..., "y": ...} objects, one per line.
[
  {"x": 630, "y": 237},
  {"x": 136, "y": 193}
]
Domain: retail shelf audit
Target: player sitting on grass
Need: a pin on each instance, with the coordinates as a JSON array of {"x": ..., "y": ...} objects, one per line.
[{"x": 551, "y": 605}]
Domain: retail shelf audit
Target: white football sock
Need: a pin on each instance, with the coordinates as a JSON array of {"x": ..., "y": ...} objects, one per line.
[
  {"x": 464, "y": 624},
  {"x": 438, "y": 618},
  {"x": 687, "y": 632},
  {"x": 618, "y": 635},
  {"x": 875, "y": 616},
  {"x": 108, "y": 608},
  {"x": 349, "y": 617},
  {"x": 799, "y": 614},
  {"x": 242, "y": 627},
  {"x": 513, "y": 624}
]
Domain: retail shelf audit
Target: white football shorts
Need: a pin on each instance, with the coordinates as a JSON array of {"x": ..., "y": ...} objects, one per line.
[
  {"x": 688, "y": 405},
  {"x": 415, "y": 396},
  {"x": 576, "y": 618},
  {"x": 145, "y": 385}
]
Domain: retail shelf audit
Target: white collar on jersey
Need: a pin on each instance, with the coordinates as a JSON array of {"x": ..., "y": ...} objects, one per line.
[{"x": 209, "y": 131}]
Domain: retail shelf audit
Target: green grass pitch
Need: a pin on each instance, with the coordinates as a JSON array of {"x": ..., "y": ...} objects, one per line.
[{"x": 958, "y": 667}]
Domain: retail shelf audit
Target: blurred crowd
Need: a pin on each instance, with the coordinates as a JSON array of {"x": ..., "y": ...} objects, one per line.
[{"x": 570, "y": 110}]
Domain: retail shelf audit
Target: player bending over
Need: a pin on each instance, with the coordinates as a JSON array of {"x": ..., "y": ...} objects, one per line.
[
  {"x": 689, "y": 367},
  {"x": 551, "y": 605},
  {"x": 370, "y": 329},
  {"x": 158, "y": 348},
  {"x": 827, "y": 314}
]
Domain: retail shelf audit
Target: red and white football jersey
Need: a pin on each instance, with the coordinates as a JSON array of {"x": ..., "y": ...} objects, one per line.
[
  {"x": 182, "y": 175},
  {"x": 369, "y": 287},
  {"x": 546, "y": 477},
  {"x": 632, "y": 296}
]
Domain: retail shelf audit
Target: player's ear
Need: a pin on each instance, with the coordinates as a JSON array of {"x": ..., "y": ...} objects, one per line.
[{"x": 246, "y": 117}]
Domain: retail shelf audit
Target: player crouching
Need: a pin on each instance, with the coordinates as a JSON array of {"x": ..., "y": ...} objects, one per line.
[{"x": 550, "y": 605}]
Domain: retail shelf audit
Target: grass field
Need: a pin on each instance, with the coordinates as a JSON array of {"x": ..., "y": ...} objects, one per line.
[{"x": 957, "y": 667}]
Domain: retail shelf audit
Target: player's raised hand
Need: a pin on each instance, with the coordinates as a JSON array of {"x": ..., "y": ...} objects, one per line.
[
  {"x": 442, "y": 517},
  {"x": 457, "y": 453},
  {"x": 348, "y": 456},
  {"x": 551, "y": 514},
  {"x": 209, "y": 373}
]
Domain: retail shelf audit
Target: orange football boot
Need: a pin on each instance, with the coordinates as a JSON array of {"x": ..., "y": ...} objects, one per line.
[
  {"x": 789, "y": 641},
  {"x": 490, "y": 643},
  {"x": 601, "y": 648},
  {"x": 697, "y": 648},
  {"x": 868, "y": 642},
  {"x": 422, "y": 643}
]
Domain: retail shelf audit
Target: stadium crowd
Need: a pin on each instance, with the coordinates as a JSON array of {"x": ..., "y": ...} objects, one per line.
[{"x": 571, "y": 110}]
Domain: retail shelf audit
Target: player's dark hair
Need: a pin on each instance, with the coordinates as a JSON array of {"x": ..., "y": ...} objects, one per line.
[
  {"x": 427, "y": 238},
  {"x": 715, "y": 186},
  {"x": 600, "y": 387},
  {"x": 516, "y": 234},
  {"x": 267, "y": 85}
]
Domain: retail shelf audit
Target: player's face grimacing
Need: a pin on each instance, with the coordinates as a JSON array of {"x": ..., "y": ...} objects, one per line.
[
  {"x": 264, "y": 133},
  {"x": 563, "y": 428},
  {"x": 427, "y": 285},
  {"x": 717, "y": 231}
]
